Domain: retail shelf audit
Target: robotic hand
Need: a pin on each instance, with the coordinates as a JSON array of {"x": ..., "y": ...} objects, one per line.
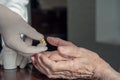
[
  {"x": 10, "y": 59},
  {"x": 12, "y": 26}
]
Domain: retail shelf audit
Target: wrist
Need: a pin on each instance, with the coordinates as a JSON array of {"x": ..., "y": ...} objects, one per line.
[
  {"x": 107, "y": 73},
  {"x": 110, "y": 74}
]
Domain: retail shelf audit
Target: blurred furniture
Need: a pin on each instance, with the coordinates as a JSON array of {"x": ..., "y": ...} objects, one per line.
[{"x": 50, "y": 22}]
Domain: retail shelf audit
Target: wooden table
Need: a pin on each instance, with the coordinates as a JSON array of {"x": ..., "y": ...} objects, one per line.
[{"x": 23, "y": 74}]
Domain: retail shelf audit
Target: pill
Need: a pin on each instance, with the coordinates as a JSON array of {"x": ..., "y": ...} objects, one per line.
[{"x": 42, "y": 41}]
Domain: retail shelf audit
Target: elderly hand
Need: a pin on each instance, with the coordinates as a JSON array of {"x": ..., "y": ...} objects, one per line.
[
  {"x": 54, "y": 66},
  {"x": 75, "y": 63}
]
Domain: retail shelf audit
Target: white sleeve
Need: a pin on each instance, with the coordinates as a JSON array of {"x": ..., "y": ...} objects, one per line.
[{"x": 18, "y": 6}]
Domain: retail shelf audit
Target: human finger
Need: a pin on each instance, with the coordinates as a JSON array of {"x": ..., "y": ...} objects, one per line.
[
  {"x": 70, "y": 66},
  {"x": 59, "y": 42},
  {"x": 54, "y": 55},
  {"x": 37, "y": 65},
  {"x": 69, "y": 51}
]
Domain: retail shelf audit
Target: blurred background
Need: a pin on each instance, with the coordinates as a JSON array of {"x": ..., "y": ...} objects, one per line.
[{"x": 92, "y": 24}]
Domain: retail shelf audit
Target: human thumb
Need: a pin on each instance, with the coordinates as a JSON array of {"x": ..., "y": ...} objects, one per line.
[{"x": 68, "y": 51}]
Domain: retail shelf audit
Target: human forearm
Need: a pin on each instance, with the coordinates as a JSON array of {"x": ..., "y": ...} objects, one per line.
[
  {"x": 76, "y": 60},
  {"x": 102, "y": 70},
  {"x": 109, "y": 74},
  {"x": 105, "y": 72}
]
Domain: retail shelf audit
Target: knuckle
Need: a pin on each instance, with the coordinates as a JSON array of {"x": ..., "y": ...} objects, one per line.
[{"x": 70, "y": 42}]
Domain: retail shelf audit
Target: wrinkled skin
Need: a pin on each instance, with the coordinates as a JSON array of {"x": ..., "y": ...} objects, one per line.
[{"x": 72, "y": 62}]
